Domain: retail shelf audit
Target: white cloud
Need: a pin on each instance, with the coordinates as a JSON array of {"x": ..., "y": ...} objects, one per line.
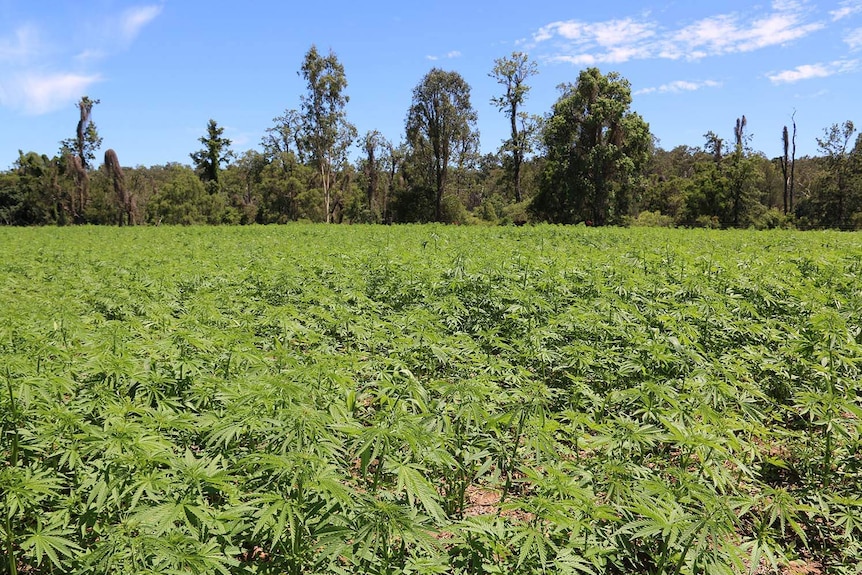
[
  {"x": 810, "y": 71},
  {"x": 38, "y": 78},
  {"x": 847, "y": 8},
  {"x": 586, "y": 43},
  {"x": 621, "y": 40},
  {"x": 37, "y": 94},
  {"x": 134, "y": 19},
  {"x": 679, "y": 86},
  {"x": 854, "y": 39}
]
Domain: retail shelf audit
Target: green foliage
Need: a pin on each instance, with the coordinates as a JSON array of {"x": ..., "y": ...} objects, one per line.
[
  {"x": 326, "y": 134},
  {"x": 607, "y": 401},
  {"x": 597, "y": 149},
  {"x": 180, "y": 201},
  {"x": 216, "y": 151},
  {"x": 441, "y": 130},
  {"x": 651, "y": 220}
]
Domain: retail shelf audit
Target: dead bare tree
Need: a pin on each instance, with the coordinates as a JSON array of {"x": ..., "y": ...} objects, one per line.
[
  {"x": 793, "y": 161},
  {"x": 739, "y": 131}
]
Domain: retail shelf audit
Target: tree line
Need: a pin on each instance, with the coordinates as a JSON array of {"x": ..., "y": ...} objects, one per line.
[{"x": 590, "y": 160}]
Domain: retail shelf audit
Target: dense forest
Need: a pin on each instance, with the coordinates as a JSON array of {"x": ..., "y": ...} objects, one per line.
[{"x": 590, "y": 159}]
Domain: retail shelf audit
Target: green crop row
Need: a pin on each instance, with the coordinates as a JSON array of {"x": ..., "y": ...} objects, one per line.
[{"x": 428, "y": 399}]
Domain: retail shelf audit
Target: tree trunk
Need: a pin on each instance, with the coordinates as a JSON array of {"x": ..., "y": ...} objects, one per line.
[
  {"x": 785, "y": 161},
  {"x": 441, "y": 185},
  {"x": 516, "y": 154},
  {"x": 326, "y": 199}
]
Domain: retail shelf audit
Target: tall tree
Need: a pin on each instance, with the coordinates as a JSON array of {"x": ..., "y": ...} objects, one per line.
[
  {"x": 441, "y": 126},
  {"x": 596, "y": 151},
  {"x": 216, "y": 151},
  {"x": 740, "y": 173},
  {"x": 836, "y": 195},
  {"x": 283, "y": 148},
  {"x": 87, "y": 140},
  {"x": 77, "y": 154},
  {"x": 512, "y": 73},
  {"x": 327, "y": 135}
]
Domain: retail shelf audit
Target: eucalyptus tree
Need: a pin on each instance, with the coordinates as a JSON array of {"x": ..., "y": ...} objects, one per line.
[
  {"x": 327, "y": 135},
  {"x": 838, "y": 197},
  {"x": 596, "y": 151},
  {"x": 512, "y": 73},
  {"x": 441, "y": 127}
]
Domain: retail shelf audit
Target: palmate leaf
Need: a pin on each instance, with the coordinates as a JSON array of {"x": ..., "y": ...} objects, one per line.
[
  {"x": 847, "y": 513},
  {"x": 181, "y": 554},
  {"x": 762, "y": 548},
  {"x": 159, "y": 519},
  {"x": 533, "y": 544},
  {"x": 26, "y": 488},
  {"x": 416, "y": 486},
  {"x": 51, "y": 543},
  {"x": 571, "y": 562},
  {"x": 276, "y": 516}
]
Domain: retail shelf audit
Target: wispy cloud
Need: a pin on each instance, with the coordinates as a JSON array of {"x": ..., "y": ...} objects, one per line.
[
  {"x": 854, "y": 39},
  {"x": 809, "y": 71},
  {"x": 36, "y": 94},
  {"x": 679, "y": 86},
  {"x": 447, "y": 56},
  {"x": 21, "y": 46},
  {"x": 134, "y": 19},
  {"x": 845, "y": 9},
  {"x": 621, "y": 40},
  {"x": 589, "y": 43}
]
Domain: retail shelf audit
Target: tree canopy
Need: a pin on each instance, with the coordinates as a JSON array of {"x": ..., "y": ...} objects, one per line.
[
  {"x": 441, "y": 128},
  {"x": 596, "y": 151}
]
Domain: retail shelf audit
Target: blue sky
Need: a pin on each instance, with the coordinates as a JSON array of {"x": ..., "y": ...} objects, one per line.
[{"x": 163, "y": 68}]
